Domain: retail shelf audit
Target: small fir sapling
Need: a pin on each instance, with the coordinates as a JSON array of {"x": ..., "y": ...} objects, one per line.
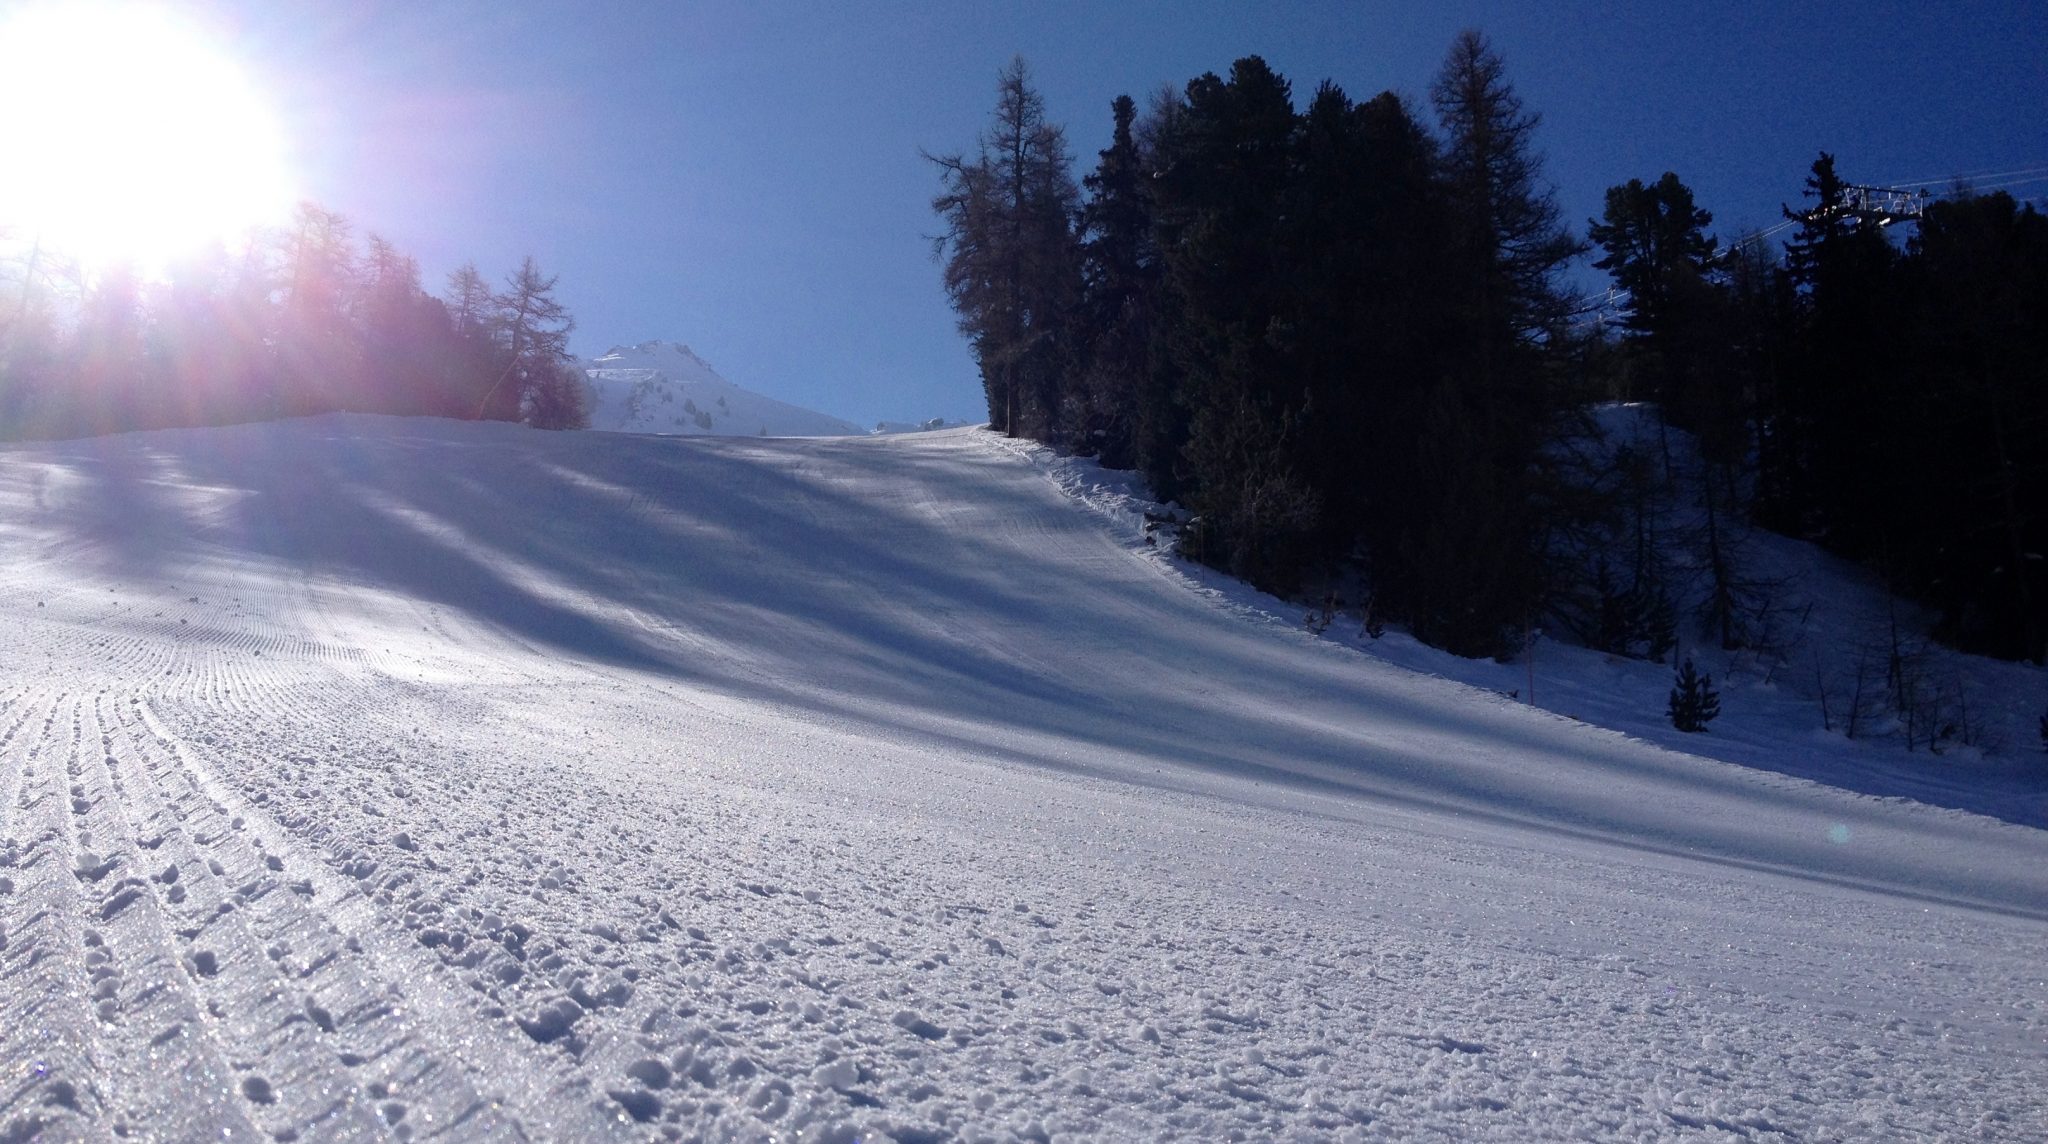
[{"x": 1694, "y": 703}]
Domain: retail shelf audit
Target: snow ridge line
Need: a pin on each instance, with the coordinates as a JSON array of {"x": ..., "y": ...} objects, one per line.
[
  {"x": 428, "y": 1012},
  {"x": 13, "y": 763},
  {"x": 52, "y": 1090},
  {"x": 160, "y": 1039},
  {"x": 286, "y": 984}
]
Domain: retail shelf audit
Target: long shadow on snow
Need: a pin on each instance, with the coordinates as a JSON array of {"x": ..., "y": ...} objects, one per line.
[
  {"x": 480, "y": 511},
  {"x": 128, "y": 508},
  {"x": 1165, "y": 725},
  {"x": 918, "y": 613}
]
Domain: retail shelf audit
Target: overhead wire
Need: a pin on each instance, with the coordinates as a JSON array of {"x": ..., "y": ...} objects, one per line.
[
  {"x": 1970, "y": 180},
  {"x": 1760, "y": 235},
  {"x": 2001, "y": 185}
]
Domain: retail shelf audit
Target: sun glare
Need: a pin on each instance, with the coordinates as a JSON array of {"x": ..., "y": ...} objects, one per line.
[{"x": 126, "y": 136}]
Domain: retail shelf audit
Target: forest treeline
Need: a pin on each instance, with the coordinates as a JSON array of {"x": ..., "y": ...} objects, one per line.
[
  {"x": 1339, "y": 335},
  {"x": 301, "y": 320}
]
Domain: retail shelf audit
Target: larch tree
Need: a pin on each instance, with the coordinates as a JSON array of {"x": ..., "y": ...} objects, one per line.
[
  {"x": 468, "y": 364},
  {"x": 401, "y": 325},
  {"x": 1513, "y": 236},
  {"x": 1481, "y": 564},
  {"x": 470, "y": 304},
  {"x": 1011, "y": 262},
  {"x": 315, "y": 345},
  {"x": 533, "y": 337}
]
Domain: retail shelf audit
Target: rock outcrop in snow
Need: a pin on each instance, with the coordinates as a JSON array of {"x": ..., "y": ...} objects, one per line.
[{"x": 664, "y": 387}]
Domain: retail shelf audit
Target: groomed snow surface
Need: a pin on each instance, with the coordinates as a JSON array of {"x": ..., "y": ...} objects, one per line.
[{"x": 369, "y": 778}]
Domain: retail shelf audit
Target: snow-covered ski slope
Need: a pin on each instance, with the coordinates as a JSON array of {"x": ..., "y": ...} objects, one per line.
[{"x": 371, "y": 778}]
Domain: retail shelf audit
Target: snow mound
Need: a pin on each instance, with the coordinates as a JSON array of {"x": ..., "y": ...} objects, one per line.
[{"x": 664, "y": 387}]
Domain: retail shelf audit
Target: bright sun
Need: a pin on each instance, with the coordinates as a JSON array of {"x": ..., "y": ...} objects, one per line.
[{"x": 125, "y": 136}]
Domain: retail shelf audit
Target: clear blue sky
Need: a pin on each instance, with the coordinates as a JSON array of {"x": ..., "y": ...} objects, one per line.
[{"x": 744, "y": 176}]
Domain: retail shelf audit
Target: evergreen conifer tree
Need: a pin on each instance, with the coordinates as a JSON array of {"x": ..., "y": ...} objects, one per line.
[
  {"x": 1973, "y": 419},
  {"x": 1653, "y": 238},
  {"x": 1222, "y": 197},
  {"x": 1655, "y": 246},
  {"x": 1120, "y": 276},
  {"x": 1693, "y": 703},
  {"x": 1844, "y": 394}
]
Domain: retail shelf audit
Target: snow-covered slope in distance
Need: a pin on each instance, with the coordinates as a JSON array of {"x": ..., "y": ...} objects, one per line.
[
  {"x": 664, "y": 387},
  {"x": 365, "y": 777},
  {"x": 928, "y": 426}
]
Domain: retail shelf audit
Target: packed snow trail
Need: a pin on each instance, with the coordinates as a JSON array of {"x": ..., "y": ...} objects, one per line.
[{"x": 394, "y": 779}]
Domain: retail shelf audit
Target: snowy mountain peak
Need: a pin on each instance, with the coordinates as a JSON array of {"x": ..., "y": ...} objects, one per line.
[
  {"x": 664, "y": 387},
  {"x": 674, "y": 358}
]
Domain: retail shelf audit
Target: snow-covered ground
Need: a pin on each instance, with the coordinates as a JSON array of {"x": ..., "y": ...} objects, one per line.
[
  {"x": 664, "y": 387},
  {"x": 368, "y": 778}
]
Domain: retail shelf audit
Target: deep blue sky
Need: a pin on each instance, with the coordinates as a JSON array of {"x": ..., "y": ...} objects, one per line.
[{"x": 745, "y": 177}]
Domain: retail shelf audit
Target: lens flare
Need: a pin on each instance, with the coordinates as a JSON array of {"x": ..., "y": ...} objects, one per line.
[{"x": 129, "y": 136}]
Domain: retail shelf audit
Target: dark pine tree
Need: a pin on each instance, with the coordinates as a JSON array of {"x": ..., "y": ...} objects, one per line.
[
  {"x": 1397, "y": 325},
  {"x": 1764, "y": 328},
  {"x": 1693, "y": 702},
  {"x": 1973, "y": 516},
  {"x": 1653, "y": 240},
  {"x": 1654, "y": 243},
  {"x": 1110, "y": 407},
  {"x": 1842, "y": 395},
  {"x": 1225, "y": 324},
  {"x": 1328, "y": 240}
]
